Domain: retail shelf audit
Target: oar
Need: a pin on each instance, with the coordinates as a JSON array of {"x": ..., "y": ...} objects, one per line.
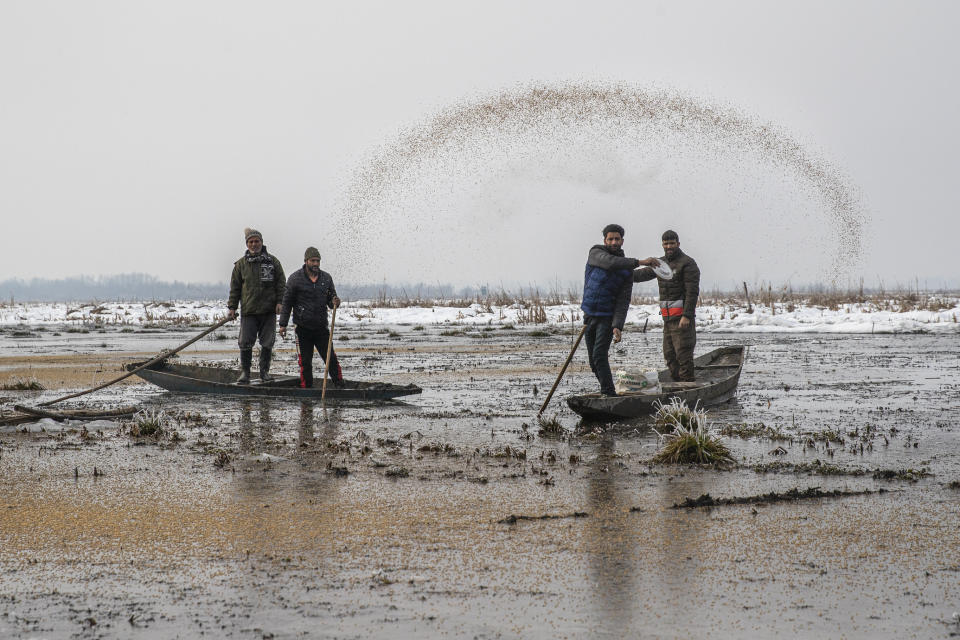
[
  {"x": 326, "y": 365},
  {"x": 562, "y": 371},
  {"x": 162, "y": 356}
]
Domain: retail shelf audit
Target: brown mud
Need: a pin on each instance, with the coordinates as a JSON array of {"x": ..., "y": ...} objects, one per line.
[{"x": 252, "y": 518}]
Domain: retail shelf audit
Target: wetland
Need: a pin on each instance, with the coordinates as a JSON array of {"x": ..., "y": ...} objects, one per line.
[{"x": 454, "y": 514}]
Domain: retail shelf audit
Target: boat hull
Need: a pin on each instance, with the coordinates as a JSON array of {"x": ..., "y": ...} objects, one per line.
[
  {"x": 718, "y": 372},
  {"x": 215, "y": 381}
]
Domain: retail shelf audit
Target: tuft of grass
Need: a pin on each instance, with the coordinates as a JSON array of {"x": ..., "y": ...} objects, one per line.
[
  {"x": 812, "y": 468},
  {"x": 22, "y": 384},
  {"x": 826, "y": 435},
  {"x": 190, "y": 419},
  {"x": 691, "y": 446},
  {"x": 910, "y": 475},
  {"x": 690, "y": 440},
  {"x": 755, "y": 430},
  {"x": 419, "y": 327},
  {"x": 150, "y": 423},
  {"x": 550, "y": 427},
  {"x": 677, "y": 413}
]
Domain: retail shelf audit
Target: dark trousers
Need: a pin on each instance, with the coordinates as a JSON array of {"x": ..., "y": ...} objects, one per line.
[
  {"x": 599, "y": 334},
  {"x": 258, "y": 326},
  {"x": 678, "y": 347},
  {"x": 308, "y": 340}
]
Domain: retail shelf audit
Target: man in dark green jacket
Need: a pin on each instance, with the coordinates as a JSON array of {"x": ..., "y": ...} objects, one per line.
[
  {"x": 678, "y": 306},
  {"x": 257, "y": 285}
]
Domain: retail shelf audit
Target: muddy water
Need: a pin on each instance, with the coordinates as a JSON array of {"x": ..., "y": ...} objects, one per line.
[{"x": 384, "y": 521}]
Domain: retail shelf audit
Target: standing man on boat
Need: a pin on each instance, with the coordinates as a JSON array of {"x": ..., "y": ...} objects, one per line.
[
  {"x": 678, "y": 306},
  {"x": 309, "y": 293},
  {"x": 257, "y": 286},
  {"x": 607, "y": 285}
]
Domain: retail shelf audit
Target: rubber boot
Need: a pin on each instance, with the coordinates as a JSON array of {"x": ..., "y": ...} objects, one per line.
[
  {"x": 246, "y": 359},
  {"x": 265, "y": 357}
]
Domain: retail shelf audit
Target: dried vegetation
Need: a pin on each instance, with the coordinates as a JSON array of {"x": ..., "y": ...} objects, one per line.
[
  {"x": 18, "y": 383},
  {"x": 686, "y": 438}
]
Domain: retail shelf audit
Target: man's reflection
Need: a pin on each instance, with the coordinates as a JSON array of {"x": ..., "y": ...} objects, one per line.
[
  {"x": 255, "y": 439},
  {"x": 611, "y": 543}
]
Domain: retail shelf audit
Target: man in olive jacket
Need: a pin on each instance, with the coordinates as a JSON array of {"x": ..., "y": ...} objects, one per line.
[
  {"x": 257, "y": 285},
  {"x": 309, "y": 293},
  {"x": 678, "y": 306}
]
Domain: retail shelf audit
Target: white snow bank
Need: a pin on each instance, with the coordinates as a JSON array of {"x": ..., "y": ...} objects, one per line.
[{"x": 849, "y": 318}]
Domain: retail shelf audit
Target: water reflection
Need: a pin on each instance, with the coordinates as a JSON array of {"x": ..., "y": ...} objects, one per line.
[
  {"x": 611, "y": 542},
  {"x": 305, "y": 425},
  {"x": 287, "y": 506},
  {"x": 328, "y": 422},
  {"x": 682, "y": 547},
  {"x": 639, "y": 557},
  {"x": 256, "y": 439}
]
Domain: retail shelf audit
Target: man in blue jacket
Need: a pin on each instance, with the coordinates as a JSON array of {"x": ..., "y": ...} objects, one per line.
[
  {"x": 309, "y": 293},
  {"x": 607, "y": 286}
]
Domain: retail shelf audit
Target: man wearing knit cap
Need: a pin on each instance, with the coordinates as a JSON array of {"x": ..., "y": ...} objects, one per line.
[
  {"x": 256, "y": 285},
  {"x": 309, "y": 293},
  {"x": 678, "y": 306}
]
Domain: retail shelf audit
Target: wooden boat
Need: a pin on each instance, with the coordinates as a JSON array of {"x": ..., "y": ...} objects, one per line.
[
  {"x": 186, "y": 378},
  {"x": 717, "y": 374}
]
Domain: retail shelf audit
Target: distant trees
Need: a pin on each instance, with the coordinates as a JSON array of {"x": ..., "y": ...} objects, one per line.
[
  {"x": 143, "y": 287},
  {"x": 124, "y": 286}
]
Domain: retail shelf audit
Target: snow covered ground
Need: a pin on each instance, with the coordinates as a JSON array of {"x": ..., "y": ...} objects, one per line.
[{"x": 848, "y": 318}]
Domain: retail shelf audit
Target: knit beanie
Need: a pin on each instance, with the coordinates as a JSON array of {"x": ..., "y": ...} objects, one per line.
[
  {"x": 311, "y": 252},
  {"x": 249, "y": 233}
]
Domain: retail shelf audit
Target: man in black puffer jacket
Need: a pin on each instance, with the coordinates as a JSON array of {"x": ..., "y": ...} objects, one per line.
[
  {"x": 678, "y": 306},
  {"x": 309, "y": 293}
]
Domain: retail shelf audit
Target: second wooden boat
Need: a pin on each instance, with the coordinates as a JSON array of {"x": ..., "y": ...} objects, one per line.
[{"x": 187, "y": 378}]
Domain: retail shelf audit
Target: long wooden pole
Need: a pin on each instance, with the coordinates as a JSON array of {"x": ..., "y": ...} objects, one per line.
[
  {"x": 165, "y": 354},
  {"x": 326, "y": 365},
  {"x": 563, "y": 370}
]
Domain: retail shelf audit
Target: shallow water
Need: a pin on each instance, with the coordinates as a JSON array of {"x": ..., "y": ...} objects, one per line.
[{"x": 384, "y": 521}]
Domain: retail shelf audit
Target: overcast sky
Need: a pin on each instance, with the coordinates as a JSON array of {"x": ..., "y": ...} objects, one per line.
[{"x": 144, "y": 136}]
